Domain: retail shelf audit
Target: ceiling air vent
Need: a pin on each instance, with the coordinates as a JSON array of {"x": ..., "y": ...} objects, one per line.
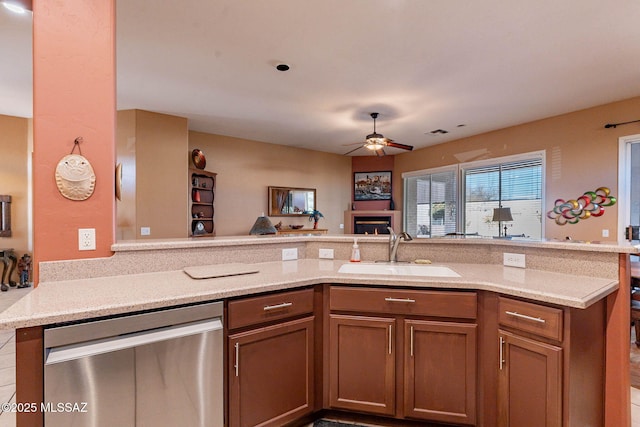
[{"x": 438, "y": 131}]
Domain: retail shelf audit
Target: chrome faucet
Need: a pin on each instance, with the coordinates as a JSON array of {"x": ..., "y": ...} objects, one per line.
[{"x": 394, "y": 242}]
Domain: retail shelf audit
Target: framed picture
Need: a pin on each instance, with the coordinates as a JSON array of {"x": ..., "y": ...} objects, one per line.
[{"x": 372, "y": 185}]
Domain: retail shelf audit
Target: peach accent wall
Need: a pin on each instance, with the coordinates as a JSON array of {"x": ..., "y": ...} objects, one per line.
[
  {"x": 14, "y": 179},
  {"x": 74, "y": 95},
  {"x": 153, "y": 149},
  {"x": 246, "y": 168},
  {"x": 374, "y": 164},
  {"x": 581, "y": 155}
]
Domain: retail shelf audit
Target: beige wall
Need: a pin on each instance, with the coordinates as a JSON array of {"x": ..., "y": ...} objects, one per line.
[
  {"x": 581, "y": 155},
  {"x": 14, "y": 179},
  {"x": 246, "y": 168},
  {"x": 153, "y": 149}
]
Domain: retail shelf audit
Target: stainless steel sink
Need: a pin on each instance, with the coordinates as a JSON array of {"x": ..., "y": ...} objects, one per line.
[{"x": 393, "y": 269}]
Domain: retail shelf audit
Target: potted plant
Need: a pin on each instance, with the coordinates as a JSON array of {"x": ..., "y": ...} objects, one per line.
[{"x": 314, "y": 216}]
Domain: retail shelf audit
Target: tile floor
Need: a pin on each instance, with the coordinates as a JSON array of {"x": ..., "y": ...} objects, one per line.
[
  {"x": 8, "y": 358},
  {"x": 8, "y": 366}
]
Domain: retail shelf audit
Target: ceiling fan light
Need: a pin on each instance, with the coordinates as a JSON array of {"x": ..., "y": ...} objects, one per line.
[
  {"x": 14, "y": 7},
  {"x": 375, "y": 141},
  {"x": 374, "y": 144}
]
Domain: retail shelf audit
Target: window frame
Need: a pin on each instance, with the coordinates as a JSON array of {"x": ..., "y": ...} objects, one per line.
[
  {"x": 624, "y": 179},
  {"x": 432, "y": 171},
  {"x": 497, "y": 161},
  {"x": 461, "y": 168}
]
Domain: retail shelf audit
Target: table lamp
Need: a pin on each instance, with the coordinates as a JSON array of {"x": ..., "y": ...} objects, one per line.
[{"x": 501, "y": 215}]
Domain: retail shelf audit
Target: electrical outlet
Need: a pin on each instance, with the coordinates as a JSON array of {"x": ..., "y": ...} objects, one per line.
[
  {"x": 289, "y": 254},
  {"x": 341, "y": 226},
  {"x": 325, "y": 253},
  {"x": 605, "y": 232},
  {"x": 87, "y": 239},
  {"x": 145, "y": 231},
  {"x": 514, "y": 260}
]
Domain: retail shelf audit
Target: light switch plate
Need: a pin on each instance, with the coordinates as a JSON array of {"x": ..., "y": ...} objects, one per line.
[
  {"x": 289, "y": 254},
  {"x": 514, "y": 260}
]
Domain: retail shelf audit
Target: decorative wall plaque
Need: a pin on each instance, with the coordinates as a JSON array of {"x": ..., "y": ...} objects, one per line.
[{"x": 74, "y": 175}]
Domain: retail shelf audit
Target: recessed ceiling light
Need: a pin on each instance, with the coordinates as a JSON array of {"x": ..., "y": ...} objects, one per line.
[
  {"x": 14, "y": 7},
  {"x": 282, "y": 67}
]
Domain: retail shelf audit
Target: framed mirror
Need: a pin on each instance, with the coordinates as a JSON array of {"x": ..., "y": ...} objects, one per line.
[{"x": 288, "y": 201}]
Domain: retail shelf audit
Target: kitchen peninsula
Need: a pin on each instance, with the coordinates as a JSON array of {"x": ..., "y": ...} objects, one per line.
[{"x": 574, "y": 298}]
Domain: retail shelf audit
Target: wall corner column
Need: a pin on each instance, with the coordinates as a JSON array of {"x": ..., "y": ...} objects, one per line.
[{"x": 74, "y": 81}]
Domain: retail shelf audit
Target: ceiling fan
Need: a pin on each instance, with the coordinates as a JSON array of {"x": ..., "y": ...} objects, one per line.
[{"x": 376, "y": 141}]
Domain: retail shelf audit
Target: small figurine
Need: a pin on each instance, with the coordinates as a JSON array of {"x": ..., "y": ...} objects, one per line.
[{"x": 24, "y": 267}]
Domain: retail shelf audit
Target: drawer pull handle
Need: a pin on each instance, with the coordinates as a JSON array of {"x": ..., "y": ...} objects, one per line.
[
  {"x": 277, "y": 306},
  {"x": 389, "y": 299},
  {"x": 524, "y": 316}
]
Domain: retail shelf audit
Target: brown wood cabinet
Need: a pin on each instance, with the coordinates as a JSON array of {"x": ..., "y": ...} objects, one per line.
[
  {"x": 550, "y": 365},
  {"x": 201, "y": 200},
  {"x": 271, "y": 367},
  {"x": 530, "y": 383},
  {"x": 440, "y": 371},
  {"x": 403, "y": 353},
  {"x": 362, "y": 363}
]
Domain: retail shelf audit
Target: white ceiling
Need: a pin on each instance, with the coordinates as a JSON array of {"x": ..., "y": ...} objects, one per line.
[{"x": 422, "y": 64}]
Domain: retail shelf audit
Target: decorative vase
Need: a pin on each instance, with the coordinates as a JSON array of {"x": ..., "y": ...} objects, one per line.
[
  {"x": 392, "y": 206},
  {"x": 315, "y": 224}
]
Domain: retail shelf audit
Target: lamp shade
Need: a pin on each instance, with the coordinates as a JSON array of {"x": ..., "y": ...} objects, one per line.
[
  {"x": 263, "y": 226},
  {"x": 502, "y": 214}
]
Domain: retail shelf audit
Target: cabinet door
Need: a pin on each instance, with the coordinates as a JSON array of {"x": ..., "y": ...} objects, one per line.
[
  {"x": 530, "y": 383},
  {"x": 362, "y": 364},
  {"x": 440, "y": 371},
  {"x": 271, "y": 374}
]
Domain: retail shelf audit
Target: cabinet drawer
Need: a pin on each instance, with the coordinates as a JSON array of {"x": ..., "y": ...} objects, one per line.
[
  {"x": 530, "y": 317},
  {"x": 412, "y": 302},
  {"x": 251, "y": 311}
]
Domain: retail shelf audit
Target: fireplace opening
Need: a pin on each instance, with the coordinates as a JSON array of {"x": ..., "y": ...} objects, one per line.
[{"x": 371, "y": 224}]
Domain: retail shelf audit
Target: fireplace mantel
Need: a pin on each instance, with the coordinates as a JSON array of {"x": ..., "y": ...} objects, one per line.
[{"x": 396, "y": 218}]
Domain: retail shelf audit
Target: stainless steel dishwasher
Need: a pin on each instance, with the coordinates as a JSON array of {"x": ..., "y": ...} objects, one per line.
[{"x": 155, "y": 369}]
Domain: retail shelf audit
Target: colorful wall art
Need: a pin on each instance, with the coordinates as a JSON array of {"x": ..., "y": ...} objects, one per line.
[{"x": 591, "y": 203}]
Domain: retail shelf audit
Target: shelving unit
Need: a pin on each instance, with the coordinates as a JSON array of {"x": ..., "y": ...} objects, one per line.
[{"x": 202, "y": 186}]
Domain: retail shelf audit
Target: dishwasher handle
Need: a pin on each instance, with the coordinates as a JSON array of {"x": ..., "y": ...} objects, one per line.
[{"x": 107, "y": 345}]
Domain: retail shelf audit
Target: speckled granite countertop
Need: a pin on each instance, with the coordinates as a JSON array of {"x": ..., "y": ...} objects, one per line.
[
  {"x": 181, "y": 243},
  {"x": 54, "y": 302}
]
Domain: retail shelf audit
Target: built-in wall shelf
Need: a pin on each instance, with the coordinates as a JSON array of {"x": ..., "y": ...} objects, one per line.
[{"x": 202, "y": 185}]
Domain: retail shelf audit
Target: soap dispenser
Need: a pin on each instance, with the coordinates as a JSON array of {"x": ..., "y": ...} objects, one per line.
[{"x": 355, "y": 251}]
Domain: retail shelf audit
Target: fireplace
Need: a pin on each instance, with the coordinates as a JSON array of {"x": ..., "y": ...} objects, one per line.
[
  {"x": 351, "y": 216},
  {"x": 371, "y": 224}
]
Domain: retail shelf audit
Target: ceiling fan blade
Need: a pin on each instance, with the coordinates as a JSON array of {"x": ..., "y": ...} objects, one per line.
[
  {"x": 380, "y": 152},
  {"x": 390, "y": 143},
  {"x": 346, "y": 154},
  {"x": 353, "y": 143}
]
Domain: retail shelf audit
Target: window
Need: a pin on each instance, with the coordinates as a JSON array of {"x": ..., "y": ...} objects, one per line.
[
  {"x": 430, "y": 200},
  {"x": 461, "y": 198},
  {"x": 514, "y": 184},
  {"x": 628, "y": 184}
]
